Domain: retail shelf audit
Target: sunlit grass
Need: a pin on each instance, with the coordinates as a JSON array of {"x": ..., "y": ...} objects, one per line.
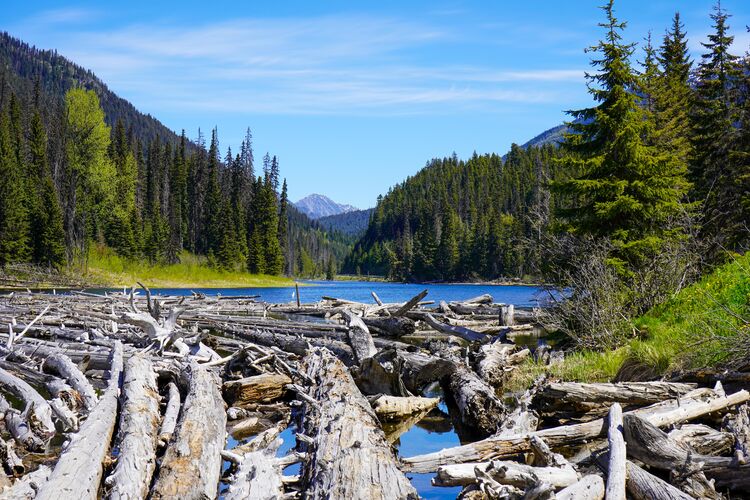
[{"x": 108, "y": 268}]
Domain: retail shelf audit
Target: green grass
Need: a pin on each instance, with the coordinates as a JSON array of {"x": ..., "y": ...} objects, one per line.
[
  {"x": 701, "y": 327},
  {"x": 107, "y": 268}
]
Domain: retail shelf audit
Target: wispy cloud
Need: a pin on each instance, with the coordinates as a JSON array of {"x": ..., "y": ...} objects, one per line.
[{"x": 325, "y": 65}]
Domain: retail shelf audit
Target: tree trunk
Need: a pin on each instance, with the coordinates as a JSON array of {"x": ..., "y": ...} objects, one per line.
[{"x": 617, "y": 456}]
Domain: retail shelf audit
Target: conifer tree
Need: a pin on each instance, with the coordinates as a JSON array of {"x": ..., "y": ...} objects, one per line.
[
  {"x": 49, "y": 247},
  {"x": 284, "y": 226},
  {"x": 212, "y": 215},
  {"x": 15, "y": 245},
  {"x": 627, "y": 190},
  {"x": 713, "y": 121}
]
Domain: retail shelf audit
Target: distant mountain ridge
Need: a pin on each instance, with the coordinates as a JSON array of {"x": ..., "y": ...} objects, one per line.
[
  {"x": 348, "y": 223},
  {"x": 316, "y": 206}
]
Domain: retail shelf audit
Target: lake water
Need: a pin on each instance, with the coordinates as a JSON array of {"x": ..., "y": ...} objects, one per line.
[
  {"x": 436, "y": 430},
  {"x": 359, "y": 291}
]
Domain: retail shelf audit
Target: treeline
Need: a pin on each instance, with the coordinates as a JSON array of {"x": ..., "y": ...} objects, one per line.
[
  {"x": 663, "y": 157},
  {"x": 69, "y": 179},
  {"x": 460, "y": 219}
]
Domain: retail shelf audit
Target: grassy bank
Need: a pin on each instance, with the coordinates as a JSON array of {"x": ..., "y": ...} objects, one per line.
[
  {"x": 705, "y": 325},
  {"x": 108, "y": 269}
]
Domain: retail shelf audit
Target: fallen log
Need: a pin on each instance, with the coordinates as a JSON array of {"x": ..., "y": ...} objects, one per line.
[
  {"x": 515, "y": 474},
  {"x": 703, "y": 439},
  {"x": 644, "y": 486},
  {"x": 37, "y": 411},
  {"x": 79, "y": 470},
  {"x": 27, "y": 486},
  {"x": 738, "y": 425},
  {"x": 590, "y": 487},
  {"x": 479, "y": 407},
  {"x": 389, "y": 408},
  {"x": 137, "y": 436},
  {"x": 169, "y": 422},
  {"x": 263, "y": 388},
  {"x": 257, "y": 475},
  {"x": 496, "y": 360},
  {"x": 410, "y": 304},
  {"x": 627, "y": 393},
  {"x": 391, "y": 326},
  {"x": 359, "y": 337},
  {"x": 348, "y": 456},
  {"x": 660, "y": 414},
  {"x": 11, "y": 463},
  {"x": 459, "y": 331},
  {"x": 62, "y": 366},
  {"x": 191, "y": 465},
  {"x": 616, "y": 470}
]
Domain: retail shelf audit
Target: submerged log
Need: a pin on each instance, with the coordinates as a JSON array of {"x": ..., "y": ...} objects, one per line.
[
  {"x": 79, "y": 470},
  {"x": 191, "y": 465},
  {"x": 137, "y": 437},
  {"x": 348, "y": 455},
  {"x": 263, "y": 388},
  {"x": 660, "y": 414}
]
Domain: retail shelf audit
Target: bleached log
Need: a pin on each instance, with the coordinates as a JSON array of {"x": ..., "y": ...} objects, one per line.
[
  {"x": 410, "y": 304},
  {"x": 644, "y": 486},
  {"x": 10, "y": 460},
  {"x": 617, "y": 455},
  {"x": 38, "y": 411},
  {"x": 590, "y": 487},
  {"x": 652, "y": 446},
  {"x": 18, "y": 427},
  {"x": 257, "y": 476},
  {"x": 389, "y": 408},
  {"x": 64, "y": 414},
  {"x": 191, "y": 465},
  {"x": 496, "y": 360},
  {"x": 516, "y": 474},
  {"x": 507, "y": 315},
  {"x": 79, "y": 470},
  {"x": 459, "y": 331},
  {"x": 660, "y": 414},
  {"x": 26, "y": 487},
  {"x": 627, "y": 393},
  {"x": 349, "y": 456},
  {"x": 171, "y": 412},
  {"x": 137, "y": 435},
  {"x": 703, "y": 439},
  {"x": 61, "y": 365},
  {"x": 359, "y": 337},
  {"x": 739, "y": 425},
  {"x": 263, "y": 388}
]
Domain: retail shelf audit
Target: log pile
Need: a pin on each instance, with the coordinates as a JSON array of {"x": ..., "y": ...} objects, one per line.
[{"x": 136, "y": 395}]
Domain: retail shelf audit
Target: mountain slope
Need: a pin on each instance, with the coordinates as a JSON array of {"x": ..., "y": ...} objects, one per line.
[
  {"x": 348, "y": 223},
  {"x": 22, "y": 65},
  {"x": 316, "y": 206}
]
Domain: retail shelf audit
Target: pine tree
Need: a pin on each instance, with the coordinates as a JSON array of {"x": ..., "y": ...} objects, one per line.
[
  {"x": 49, "y": 247},
  {"x": 713, "y": 123},
  {"x": 15, "y": 245},
  {"x": 283, "y": 226},
  {"x": 627, "y": 190},
  {"x": 213, "y": 214},
  {"x": 269, "y": 223}
]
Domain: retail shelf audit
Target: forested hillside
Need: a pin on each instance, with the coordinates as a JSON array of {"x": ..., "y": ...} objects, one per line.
[
  {"x": 459, "y": 219},
  {"x": 81, "y": 167},
  {"x": 348, "y": 223}
]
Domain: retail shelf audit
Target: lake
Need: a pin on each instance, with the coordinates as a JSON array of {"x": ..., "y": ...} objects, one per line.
[
  {"x": 436, "y": 431},
  {"x": 359, "y": 291}
]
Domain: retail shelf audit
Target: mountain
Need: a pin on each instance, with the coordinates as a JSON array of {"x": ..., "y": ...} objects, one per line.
[
  {"x": 550, "y": 136},
  {"x": 316, "y": 206},
  {"x": 23, "y": 67},
  {"x": 347, "y": 223}
]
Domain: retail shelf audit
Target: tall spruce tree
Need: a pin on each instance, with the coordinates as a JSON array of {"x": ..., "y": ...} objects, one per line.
[
  {"x": 284, "y": 226},
  {"x": 15, "y": 245},
  {"x": 627, "y": 190},
  {"x": 713, "y": 120}
]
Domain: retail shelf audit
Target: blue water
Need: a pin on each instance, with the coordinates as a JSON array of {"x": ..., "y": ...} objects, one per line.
[{"x": 359, "y": 291}]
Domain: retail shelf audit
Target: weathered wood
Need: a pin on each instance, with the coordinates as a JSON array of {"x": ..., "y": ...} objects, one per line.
[
  {"x": 739, "y": 425},
  {"x": 652, "y": 446},
  {"x": 389, "y": 408},
  {"x": 191, "y": 465},
  {"x": 391, "y": 326},
  {"x": 38, "y": 412},
  {"x": 349, "y": 456},
  {"x": 590, "y": 487},
  {"x": 410, "y": 304},
  {"x": 496, "y": 360},
  {"x": 137, "y": 435},
  {"x": 507, "y": 315},
  {"x": 9, "y": 459},
  {"x": 703, "y": 439},
  {"x": 660, "y": 414},
  {"x": 61, "y": 365},
  {"x": 515, "y": 474},
  {"x": 169, "y": 422},
  {"x": 26, "y": 487},
  {"x": 263, "y": 388},
  {"x": 359, "y": 337},
  {"x": 479, "y": 407},
  {"x": 626, "y": 393},
  {"x": 644, "y": 486},
  {"x": 79, "y": 470},
  {"x": 617, "y": 456},
  {"x": 459, "y": 331},
  {"x": 257, "y": 476}
]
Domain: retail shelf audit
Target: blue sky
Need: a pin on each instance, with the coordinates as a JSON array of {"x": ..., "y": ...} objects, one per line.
[{"x": 352, "y": 97}]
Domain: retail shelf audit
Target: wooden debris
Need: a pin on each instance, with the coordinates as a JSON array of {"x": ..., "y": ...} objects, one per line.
[{"x": 263, "y": 388}]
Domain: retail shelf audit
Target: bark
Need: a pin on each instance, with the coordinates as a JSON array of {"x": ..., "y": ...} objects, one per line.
[
  {"x": 79, "y": 470},
  {"x": 61, "y": 365},
  {"x": 191, "y": 465},
  {"x": 410, "y": 304},
  {"x": 391, "y": 326},
  {"x": 348, "y": 455},
  {"x": 479, "y": 407},
  {"x": 12, "y": 464},
  {"x": 139, "y": 423},
  {"x": 359, "y": 337},
  {"x": 739, "y": 425},
  {"x": 263, "y": 388},
  {"x": 644, "y": 486},
  {"x": 257, "y": 476},
  {"x": 459, "y": 331},
  {"x": 497, "y": 359},
  {"x": 617, "y": 456},
  {"x": 660, "y": 414},
  {"x": 581, "y": 395},
  {"x": 703, "y": 439}
]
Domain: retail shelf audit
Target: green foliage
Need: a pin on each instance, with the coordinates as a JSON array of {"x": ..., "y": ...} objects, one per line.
[{"x": 14, "y": 215}]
